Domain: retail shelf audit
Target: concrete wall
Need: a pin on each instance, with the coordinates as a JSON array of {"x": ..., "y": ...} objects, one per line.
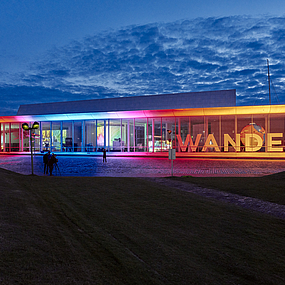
[{"x": 222, "y": 98}]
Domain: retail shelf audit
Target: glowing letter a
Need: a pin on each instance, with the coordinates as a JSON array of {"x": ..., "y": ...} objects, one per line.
[{"x": 211, "y": 142}]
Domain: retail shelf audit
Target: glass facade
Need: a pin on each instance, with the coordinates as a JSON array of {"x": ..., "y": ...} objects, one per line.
[
  {"x": 56, "y": 136},
  {"x": 46, "y": 136},
  {"x": 140, "y": 135},
  {"x": 115, "y": 135},
  {"x": 90, "y": 136},
  {"x": 263, "y": 133},
  {"x": 78, "y": 136},
  {"x": 101, "y": 137},
  {"x": 67, "y": 140}
]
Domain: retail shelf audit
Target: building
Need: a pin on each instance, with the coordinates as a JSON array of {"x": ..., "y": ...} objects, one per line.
[{"x": 202, "y": 124}]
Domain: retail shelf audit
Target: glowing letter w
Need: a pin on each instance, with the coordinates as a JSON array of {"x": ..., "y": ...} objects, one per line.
[{"x": 183, "y": 146}]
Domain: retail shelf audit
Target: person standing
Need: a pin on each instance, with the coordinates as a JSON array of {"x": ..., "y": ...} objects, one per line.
[
  {"x": 45, "y": 160},
  {"x": 51, "y": 162},
  {"x": 104, "y": 155}
]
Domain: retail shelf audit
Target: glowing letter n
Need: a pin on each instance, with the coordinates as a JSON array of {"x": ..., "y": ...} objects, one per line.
[{"x": 235, "y": 145}]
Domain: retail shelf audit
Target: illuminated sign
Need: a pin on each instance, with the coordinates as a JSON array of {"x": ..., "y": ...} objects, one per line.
[{"x": 252, "y": 138}]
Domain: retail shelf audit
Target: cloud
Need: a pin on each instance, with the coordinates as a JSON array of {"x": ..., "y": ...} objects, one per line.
[{"x": 188, "y": 55}]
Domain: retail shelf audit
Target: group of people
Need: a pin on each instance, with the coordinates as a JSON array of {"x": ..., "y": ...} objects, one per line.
[{"x": 49, "y": 160}]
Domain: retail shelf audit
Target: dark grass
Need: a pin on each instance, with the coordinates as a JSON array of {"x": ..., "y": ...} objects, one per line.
[
  {"x": 268, "y": 188},
  {"x": 80, "y": 230}
]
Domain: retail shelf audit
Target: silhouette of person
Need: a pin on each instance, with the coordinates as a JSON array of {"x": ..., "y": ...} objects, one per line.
[
  {"x": 45, "y": 160},
  {"x": 104, "y": 155},
  {"x": 53, "y": 160}
]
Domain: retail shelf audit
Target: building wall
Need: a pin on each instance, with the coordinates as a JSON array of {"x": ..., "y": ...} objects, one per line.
[{"x": 220, "y": 98}]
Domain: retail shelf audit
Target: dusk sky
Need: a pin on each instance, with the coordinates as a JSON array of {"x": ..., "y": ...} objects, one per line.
[{"x": 74, "y": 50}]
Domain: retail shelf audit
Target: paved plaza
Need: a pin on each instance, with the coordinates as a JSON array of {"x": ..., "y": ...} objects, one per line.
[{"x": 143, "y": 167}]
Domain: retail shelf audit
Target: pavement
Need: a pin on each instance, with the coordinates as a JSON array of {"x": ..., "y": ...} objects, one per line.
[
  {"x": 254, "y": 204},
  {"x": 144, "y": 167}
]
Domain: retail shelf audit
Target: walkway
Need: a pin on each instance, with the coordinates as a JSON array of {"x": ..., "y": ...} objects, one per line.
[
  {"x": 144, "y": 167},
  {"x": 254, "y": 204}
]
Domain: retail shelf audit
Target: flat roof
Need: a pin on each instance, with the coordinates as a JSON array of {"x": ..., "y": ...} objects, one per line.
[{"x": 207, "y": 99}]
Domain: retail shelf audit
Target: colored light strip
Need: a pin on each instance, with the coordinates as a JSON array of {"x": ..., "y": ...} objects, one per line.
[{"x": 239, "y": 110}]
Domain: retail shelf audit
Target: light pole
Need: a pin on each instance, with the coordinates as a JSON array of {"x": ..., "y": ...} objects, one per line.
[
  {"x": 171, "y": 153},
  {"x": 26, "y": 127}
]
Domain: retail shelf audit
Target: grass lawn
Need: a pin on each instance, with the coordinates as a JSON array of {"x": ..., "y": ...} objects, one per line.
[
  {"x": 268, "y": 188},
  {"x": 81, "y": 230}
]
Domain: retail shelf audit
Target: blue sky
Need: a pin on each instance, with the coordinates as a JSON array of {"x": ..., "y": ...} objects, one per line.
[{"x": 72, "y": 50}]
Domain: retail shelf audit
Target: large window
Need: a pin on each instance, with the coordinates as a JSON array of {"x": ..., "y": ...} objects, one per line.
[
  {"x": 157, "y": 134},
  {"x": 1, "y": 137},
  {"x": 26, "y": 140},
  {"x": 36, "y": 139},
  {"x": 115, "y": 135},
  {"x": 182, "y": 130},
  {"x": 7, "y": 137},
  {"x": 140, "y": 135},
  {"x": 46, "y": 136},
  {"x": 213, "y": 128},
  {"x": 228, "y": 128},
  {"x": 56, "y": 136},
  {"x": 197, "y": 133},
  {"x": 245, "y": 126},
  {"x": 260, "y": 128},
  {"x": 125, "y": 135},
  {"x": 78, "y": 136},
  {"x": 149, "y": 135},
  {"x": 90, "y": 136},
  {"x": 277, "y": 126},
  {"x": 100, "y": 135},
  {"x": 67, "y": 140},
  {"x": 131, "y": 135},
  {"x": 15, "y": 136},
  {"x": 168, "y": 124}
]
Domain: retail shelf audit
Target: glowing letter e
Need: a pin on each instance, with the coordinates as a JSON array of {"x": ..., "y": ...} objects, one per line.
[{"x": 271, "y": 142}]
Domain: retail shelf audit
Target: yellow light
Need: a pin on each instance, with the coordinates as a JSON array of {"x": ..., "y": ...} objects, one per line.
[
  {"x": 36, "y": 125},
  {"x": 25, "y": 126}
]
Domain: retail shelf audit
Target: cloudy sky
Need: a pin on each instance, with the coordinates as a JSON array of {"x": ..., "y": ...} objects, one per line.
[{"x": 82, "y": 49}]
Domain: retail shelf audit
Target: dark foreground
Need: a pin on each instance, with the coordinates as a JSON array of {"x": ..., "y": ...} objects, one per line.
[{"x": 95, "y": 230}]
